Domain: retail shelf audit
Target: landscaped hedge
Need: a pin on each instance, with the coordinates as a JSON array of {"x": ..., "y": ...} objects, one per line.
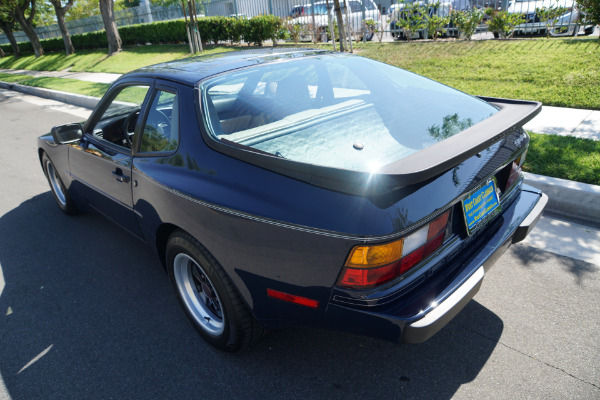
[{"x": 212, "y": 29}]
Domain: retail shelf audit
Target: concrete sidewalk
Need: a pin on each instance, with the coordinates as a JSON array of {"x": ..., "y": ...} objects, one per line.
[
  {"x": 100, "y": 77},
  {"x": 566, "y": 122}
]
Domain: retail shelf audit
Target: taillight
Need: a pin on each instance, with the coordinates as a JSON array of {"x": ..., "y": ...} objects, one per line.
[
  {"x": 515, "y": 171},
  {"x": 369, "y": 266}
]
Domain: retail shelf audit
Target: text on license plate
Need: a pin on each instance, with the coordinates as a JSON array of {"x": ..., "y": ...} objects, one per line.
[{"x": 480, "y": 206}]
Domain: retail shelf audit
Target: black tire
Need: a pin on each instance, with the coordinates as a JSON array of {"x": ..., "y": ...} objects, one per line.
[
  {"x": 208, "y": 296},
  {"x": 60, "y": 193}
]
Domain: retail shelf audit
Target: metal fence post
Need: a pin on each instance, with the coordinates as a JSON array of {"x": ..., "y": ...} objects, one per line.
[
  {"x": 314, "y": 24},
  {"x": 349, "y": 24},
  {"x": 331, "y": 30}
]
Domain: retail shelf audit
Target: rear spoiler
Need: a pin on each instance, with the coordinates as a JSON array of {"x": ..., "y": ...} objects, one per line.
[
  {"x": 450, "y": 152},
  {"x": 417, "y": 167}
]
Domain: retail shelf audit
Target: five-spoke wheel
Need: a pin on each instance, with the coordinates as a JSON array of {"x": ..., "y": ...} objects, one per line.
[{"x": 198, "y": 294}]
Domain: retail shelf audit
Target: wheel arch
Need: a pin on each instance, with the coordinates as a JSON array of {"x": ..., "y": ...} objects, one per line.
[
  {"x": 163, "y": 233},
  {"x": 41, "y": 152}
]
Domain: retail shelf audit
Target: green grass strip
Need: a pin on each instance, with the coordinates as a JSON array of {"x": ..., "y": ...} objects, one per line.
[
  {"x": 129, "y": 59},
  {"x": 63, "y": 84},
  {"x": 557, "y": 72},
  {"x": 564, "y": 157}
]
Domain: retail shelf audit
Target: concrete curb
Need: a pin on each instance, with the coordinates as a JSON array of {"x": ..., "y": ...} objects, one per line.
[
  {"x": 64, "y": 97},
  {"x": 568, "y": 198}
]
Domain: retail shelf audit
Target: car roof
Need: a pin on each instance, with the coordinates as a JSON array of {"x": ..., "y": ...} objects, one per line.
[{"x": 191, "y": 70}]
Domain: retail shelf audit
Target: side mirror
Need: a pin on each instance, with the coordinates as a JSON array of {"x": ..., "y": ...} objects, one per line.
[{"x": 68, "y": 133}]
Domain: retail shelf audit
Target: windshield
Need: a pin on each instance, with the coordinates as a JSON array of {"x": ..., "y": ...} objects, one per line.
[
  {"x": 337, "y": 111},
  {"x": 318, "y": 9}
]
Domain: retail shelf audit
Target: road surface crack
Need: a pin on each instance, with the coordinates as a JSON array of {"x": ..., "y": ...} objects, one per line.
[{"x": 533, "y": 358}]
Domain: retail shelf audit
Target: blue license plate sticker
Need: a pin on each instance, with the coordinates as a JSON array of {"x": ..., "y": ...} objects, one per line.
[{"x": 481, "y": 206}]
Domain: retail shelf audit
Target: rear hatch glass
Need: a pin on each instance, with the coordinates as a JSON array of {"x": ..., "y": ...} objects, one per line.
[{"x": 337, "y": 111}]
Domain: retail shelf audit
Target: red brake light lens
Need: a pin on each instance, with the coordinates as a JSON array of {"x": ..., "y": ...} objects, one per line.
[{"x": 515, "y": 171}]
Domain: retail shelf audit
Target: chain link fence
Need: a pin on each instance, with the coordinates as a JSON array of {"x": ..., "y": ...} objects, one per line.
[{"x": 317, "y": 18}]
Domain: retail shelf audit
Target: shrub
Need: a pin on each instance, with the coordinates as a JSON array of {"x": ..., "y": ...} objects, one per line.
[
  {"x": 503, "y": 23},
  {"x": 262, "y": 27},
  {"x": 467, "y": 21},
  {"x": 436, "y": 26},
  {"x": 295, "y": 29},
  {"x": 235, "y": 29},
  {"x": 412, "y": 18},
  {"x": 212, "y": 29}
]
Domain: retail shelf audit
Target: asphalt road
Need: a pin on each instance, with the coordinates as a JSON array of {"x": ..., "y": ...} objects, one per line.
[{"x": 87, "y": 312}]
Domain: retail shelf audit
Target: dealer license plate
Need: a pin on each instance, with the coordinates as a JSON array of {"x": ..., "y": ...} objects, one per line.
[{"x": 481, "y": 206}]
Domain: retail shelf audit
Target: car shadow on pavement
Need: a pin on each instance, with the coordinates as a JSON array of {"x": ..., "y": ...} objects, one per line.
[
  {"x": 87, "y": 311},
  {"x": 580, "y": 270}
]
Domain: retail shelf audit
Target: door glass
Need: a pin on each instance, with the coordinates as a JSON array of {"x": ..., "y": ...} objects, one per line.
[{"x": 117, "y": 123}]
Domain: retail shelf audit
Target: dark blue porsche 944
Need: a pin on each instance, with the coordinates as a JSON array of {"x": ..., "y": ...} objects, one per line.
[{"x": 303, "y": 187}]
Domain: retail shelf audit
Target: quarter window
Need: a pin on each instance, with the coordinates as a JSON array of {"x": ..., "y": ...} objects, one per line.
[{"x": 161, "y": 130}]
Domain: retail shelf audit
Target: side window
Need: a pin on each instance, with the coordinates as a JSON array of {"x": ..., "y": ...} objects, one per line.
[
  {"x": 117, "y": 123},
  {"x": 161, "y": 130}
]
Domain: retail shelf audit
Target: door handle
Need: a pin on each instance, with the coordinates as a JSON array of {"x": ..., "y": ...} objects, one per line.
[{"x": 119, "y": 175}]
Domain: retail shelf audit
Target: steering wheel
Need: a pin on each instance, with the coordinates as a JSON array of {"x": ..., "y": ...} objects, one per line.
[
  {"x": 159, "y": 121},
  {"x": 129, "y": 126}
]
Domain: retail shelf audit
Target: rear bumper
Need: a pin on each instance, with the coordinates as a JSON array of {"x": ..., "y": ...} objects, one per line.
[
  {"x": 436, "y": 319},
  {"x": 451, "y": 291}
]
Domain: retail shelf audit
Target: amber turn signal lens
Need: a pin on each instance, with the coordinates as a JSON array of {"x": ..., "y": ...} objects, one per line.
[{"x": 375, "y": 256}]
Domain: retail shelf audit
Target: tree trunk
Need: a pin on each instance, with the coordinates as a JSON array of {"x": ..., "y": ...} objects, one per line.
[
  {"x": 60, "y": 19},
  {"x": 7, "y": 29},
  {"x": 26, "y": 25},
  {"x": 112, "y": 33},
  {"x": 1, "y": 52},
  {"x": 340, "y": 21}
]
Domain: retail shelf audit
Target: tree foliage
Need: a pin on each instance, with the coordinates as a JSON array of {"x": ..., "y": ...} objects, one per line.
[
  {"x": 44, "y": 15},
  {"x": 165, "y": 3},
  {"x": 24, "y": 13},
  {"x": 591, "y": 11},
  {"x": 549, "y": 16},
  {"x": 130, "y": 3},
  {"x": 82, "y": 9}
]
